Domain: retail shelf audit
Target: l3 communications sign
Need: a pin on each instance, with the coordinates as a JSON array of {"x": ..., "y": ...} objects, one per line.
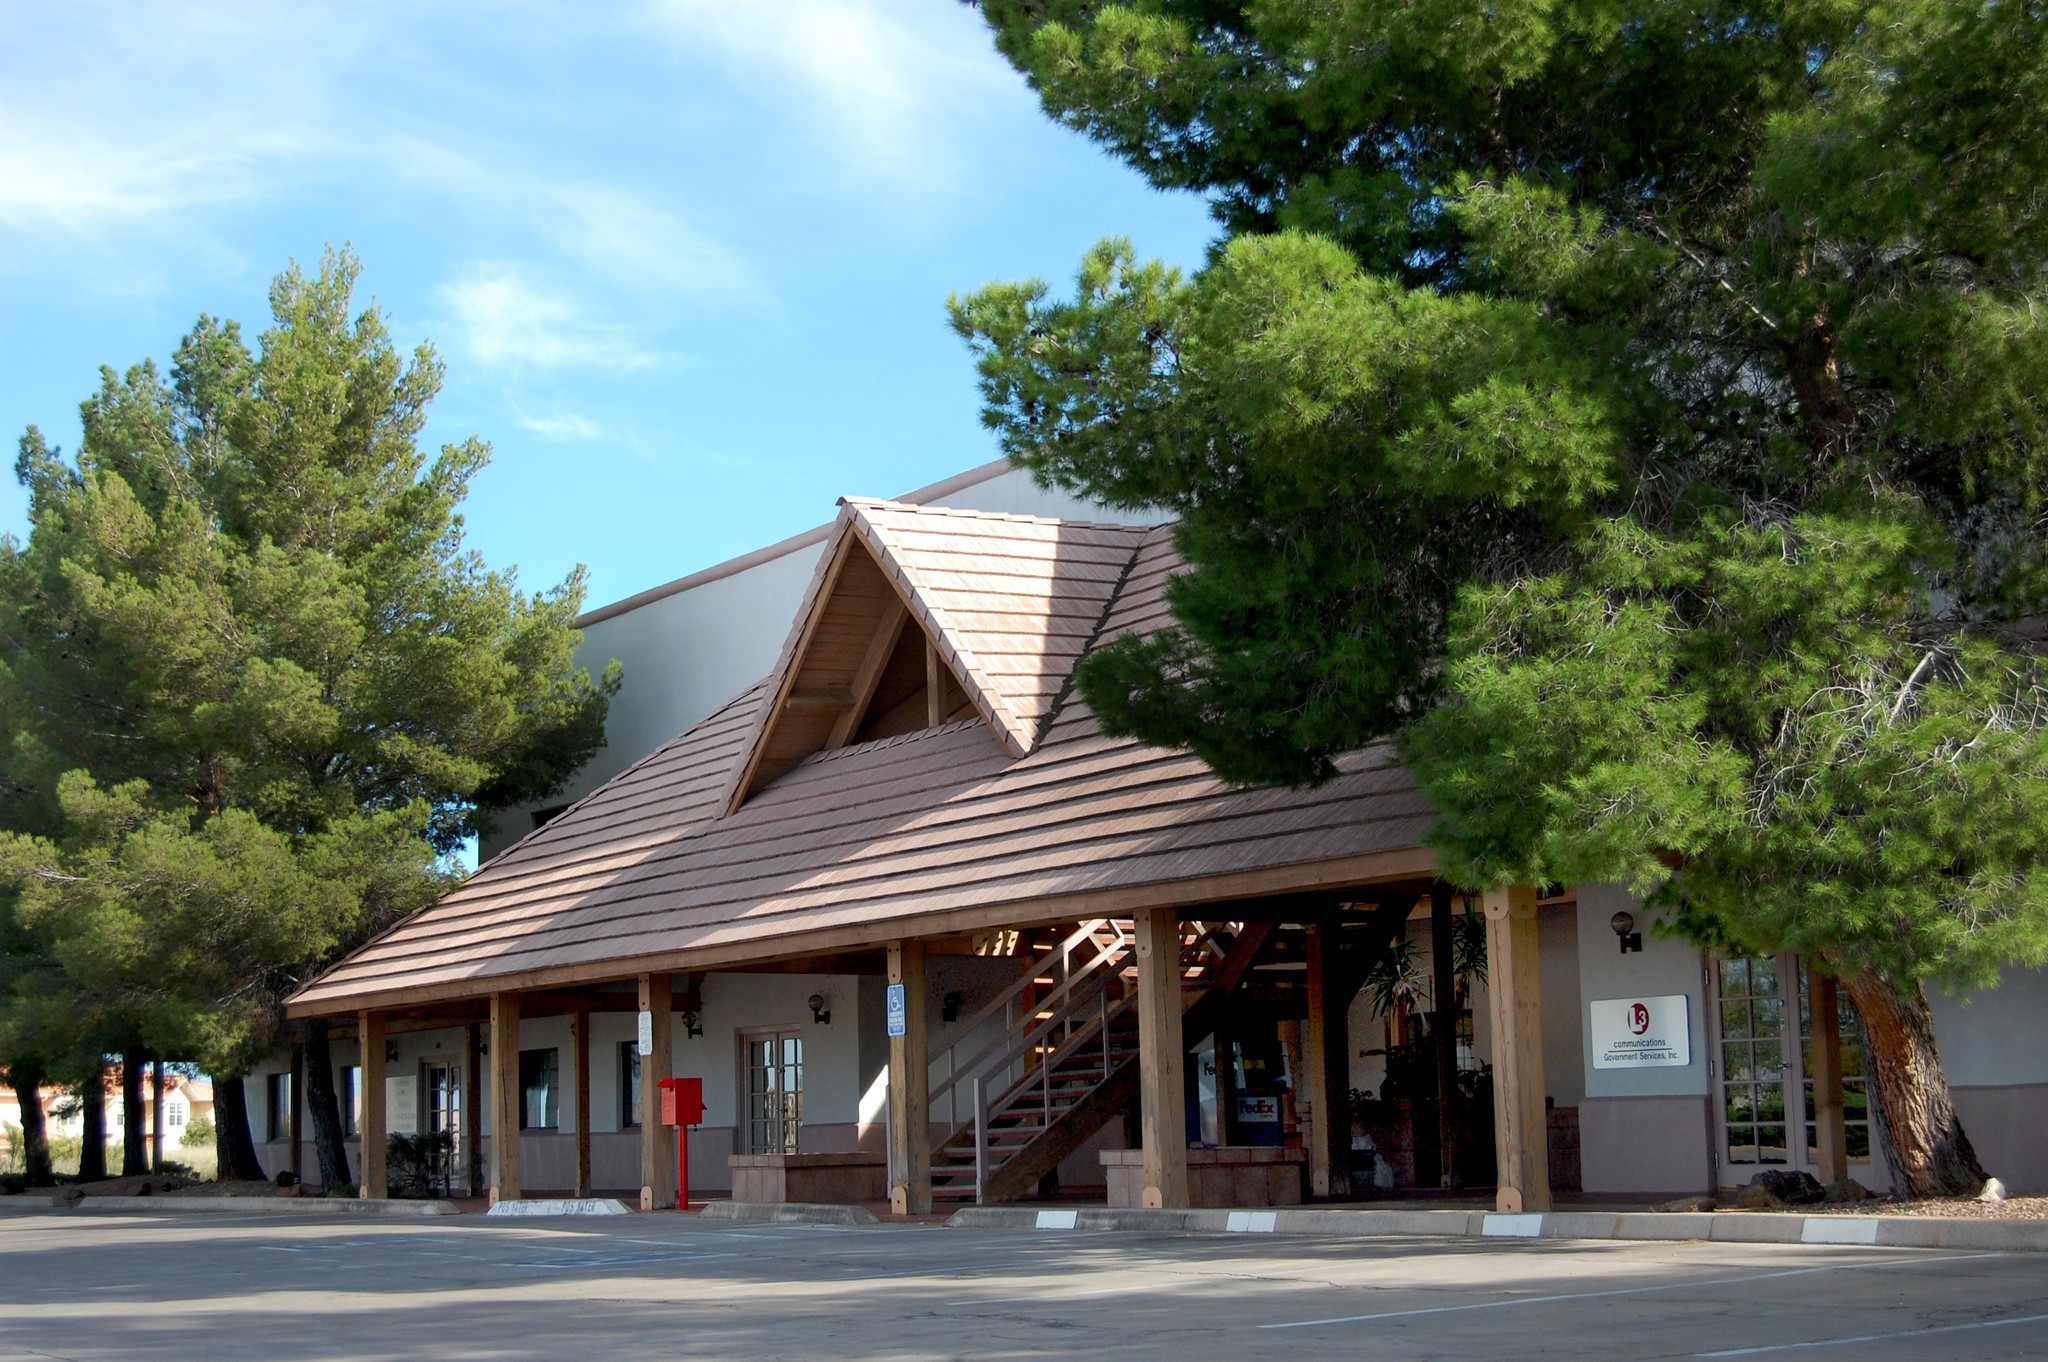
[{"x": 1641, "y": 1033}]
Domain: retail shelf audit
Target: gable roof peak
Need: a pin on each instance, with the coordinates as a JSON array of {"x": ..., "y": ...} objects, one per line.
[{"x": 1006, "y": 602}]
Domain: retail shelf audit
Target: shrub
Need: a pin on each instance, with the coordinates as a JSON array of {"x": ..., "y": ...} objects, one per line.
[{"x": 198, "y": 1134}]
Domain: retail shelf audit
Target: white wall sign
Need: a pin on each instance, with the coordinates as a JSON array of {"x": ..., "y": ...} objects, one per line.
[
  {"x": 646, "y": 1034},
  {"x": 1641, "y": 1033}
]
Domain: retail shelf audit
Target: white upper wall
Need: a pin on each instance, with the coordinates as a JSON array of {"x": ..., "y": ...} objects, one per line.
[{"x": 693, "y": 644}]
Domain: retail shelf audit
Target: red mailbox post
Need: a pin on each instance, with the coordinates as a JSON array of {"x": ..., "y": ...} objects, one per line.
[{"x": 682, "y": 1106}]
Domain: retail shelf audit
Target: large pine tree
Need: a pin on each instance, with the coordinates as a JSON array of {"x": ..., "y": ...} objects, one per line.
[
  {"x": 257, "y": 690},
  {"x": 1637, "y": 408}
]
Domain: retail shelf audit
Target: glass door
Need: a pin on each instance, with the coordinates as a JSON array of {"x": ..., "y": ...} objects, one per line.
[
  {"x": 1764, "y": 1108},
  {"x": 775, "y": 1091}
]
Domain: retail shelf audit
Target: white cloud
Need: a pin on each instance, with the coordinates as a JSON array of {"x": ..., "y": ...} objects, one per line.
[
  {"x": 506, "y": 319},
  {"x": 618, "y": 233},
  {"x": 561, "y": 425},
  {"x": 893, "y": 81}
]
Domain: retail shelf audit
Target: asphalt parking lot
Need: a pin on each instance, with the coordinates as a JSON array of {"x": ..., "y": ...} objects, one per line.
[{"x": 106, "y": 1286}]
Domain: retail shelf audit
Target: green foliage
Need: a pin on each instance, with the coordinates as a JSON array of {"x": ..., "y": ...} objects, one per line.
[
  {"x": 1635, "y": 410},
  {"x": 197, "y": 1134},
  {"x": 254, "y": 686}
]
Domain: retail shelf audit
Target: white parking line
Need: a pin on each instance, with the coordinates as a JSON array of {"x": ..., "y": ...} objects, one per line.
[
  {"x": 1875, "y": 1338},
  {"x": 1708, "y": 1282}
]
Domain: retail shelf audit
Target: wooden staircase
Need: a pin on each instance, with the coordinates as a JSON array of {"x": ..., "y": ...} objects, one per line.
[{"x": 1024, "y": 1100}]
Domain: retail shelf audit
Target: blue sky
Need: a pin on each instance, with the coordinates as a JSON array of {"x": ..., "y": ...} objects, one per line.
[{"x": 686, "y": 260}]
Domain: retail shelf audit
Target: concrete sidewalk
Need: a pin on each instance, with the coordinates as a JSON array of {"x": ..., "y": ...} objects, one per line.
[{"x": 1724, "y": 1227}]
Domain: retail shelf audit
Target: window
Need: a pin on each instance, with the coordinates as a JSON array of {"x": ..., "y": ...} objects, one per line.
[
  {"x": 540, "y": 1090},
  {"x": 174, "y": 1113},
  {"x": 277, "y": 1105},
  {"x": 629, "y": 1085},
  {"x": 775, "y": 1091},
  {"x": 351, "y": 1099}
]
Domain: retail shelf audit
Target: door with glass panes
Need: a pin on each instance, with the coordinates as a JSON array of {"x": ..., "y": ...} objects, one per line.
[
  {"x": 1764, "y": 1101},
  {"x": 773, "y": 1073}
]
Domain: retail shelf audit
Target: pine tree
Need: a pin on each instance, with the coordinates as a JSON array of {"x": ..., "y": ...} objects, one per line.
[
  {"x": 258, "y": 689},
  {"x": 1636, "y": 409}
]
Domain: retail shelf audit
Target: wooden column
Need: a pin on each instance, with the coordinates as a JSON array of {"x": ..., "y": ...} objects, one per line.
[
  {"x": 1520, "y": 1123},
  {"x": 370, "y": 1038},
  {"x": 1444, "y": 1033},
  {"x": 1326, "y": 1043},
  {"x": 473, "y": 1107},
  {"x": 156, "y": 1115},
  {"x": 293, "y": 1123},
  {"x": 657, "y": 1149},
  {"x": 505, "y": 1097},
  {"x": 1824, "y": 1067},
  {"x": 910, "y": 1086},
  {"x": 581, "y": 1027},
  {"x": 1162, "y": 1075}
]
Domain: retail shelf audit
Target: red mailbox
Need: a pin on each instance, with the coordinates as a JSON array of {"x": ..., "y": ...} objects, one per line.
[
  {"x": 682, "y": 1101},
  {"x": 682, "y": 1106}
]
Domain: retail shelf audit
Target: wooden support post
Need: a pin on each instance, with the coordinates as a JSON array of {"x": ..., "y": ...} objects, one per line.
[
  {"x": 370, "y": 1037},
  {"x": 582, "y": 1030},
  {"x": 472, "y": 1134},
  {"x": 1824, "y": 1067},
  {"x": 910, "y": 1086},
  {"x": 1444, "y": 1033},
  {"x": 1162, "y": 1074},
  {"x": 295, "y": 1104},
  {"x": 156, "y": 1115},
  {"x": 934, "y": 674},
  {"x": 657, "y": 1154},
  {"x": 1327, "y": 1046},
  {"x": 505, "y": 1097},
  {"x": 1521, "y": 1125}
]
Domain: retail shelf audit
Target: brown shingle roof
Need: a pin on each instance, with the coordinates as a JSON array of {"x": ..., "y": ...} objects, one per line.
[{"x": 934, "y": 830}]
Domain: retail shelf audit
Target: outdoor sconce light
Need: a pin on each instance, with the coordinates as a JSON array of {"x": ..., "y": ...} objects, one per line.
[
  {"x": 1624, "y": 925},
  {"x": 949, "y": 1007},
  {"x": 692, "y": 1025},
  {"x": 390, "y": 1052},
  {"x": 821, "y": 1009}
]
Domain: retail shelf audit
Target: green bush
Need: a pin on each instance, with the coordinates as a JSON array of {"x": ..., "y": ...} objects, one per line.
[
  {"x": 198, "y": 1134},
  {"x": 14, "y": 1158}
]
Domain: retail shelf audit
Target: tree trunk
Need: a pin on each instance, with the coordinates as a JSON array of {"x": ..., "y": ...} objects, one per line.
[
  {"x": 231, "y": 1133},
  {"x": 1931, "y": 1156},
  {"x": 92, "y": 1153},
  {"x": 27, "y": 1082},
  {"x": 134, "y": 1133},
  {"x": 324, "y": 1108}
]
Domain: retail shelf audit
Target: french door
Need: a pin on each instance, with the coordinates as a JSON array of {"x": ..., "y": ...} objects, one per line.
[
  {"x": 774, "y": 1077},
  {"x": 1764, "y": 1102}
]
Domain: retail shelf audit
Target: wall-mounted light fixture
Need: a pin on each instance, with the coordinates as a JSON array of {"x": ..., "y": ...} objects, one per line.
[
  {"x": 1624, "y": 924},
  {"x": 693, "y": 1025},
  {"x": 821, "y": 1009},
  {"x": 390, "y": 1052},
  {"x": 949, "y": 1007}
]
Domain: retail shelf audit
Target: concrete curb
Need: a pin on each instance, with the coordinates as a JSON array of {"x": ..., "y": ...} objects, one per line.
[
  {"x": 787, "y": 1213},
  {"x": 1724, "y": 1227},
  {"x": 231, "y": 1205},
  {"x": 560, "y": 1206}
]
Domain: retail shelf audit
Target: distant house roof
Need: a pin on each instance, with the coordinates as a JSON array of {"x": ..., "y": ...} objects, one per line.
[{"x": 1014, "y": 808}]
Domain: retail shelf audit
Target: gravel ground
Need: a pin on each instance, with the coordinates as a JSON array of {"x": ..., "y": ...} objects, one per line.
[{"x": 1962, "y": 1208}]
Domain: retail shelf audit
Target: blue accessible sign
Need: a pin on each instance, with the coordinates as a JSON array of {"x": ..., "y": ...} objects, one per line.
[{"x": 898, "y": 1011}]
